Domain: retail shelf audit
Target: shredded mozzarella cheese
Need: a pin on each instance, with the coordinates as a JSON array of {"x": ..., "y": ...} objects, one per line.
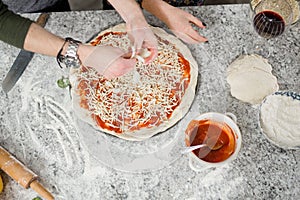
[{"x": 145, "y": 97}]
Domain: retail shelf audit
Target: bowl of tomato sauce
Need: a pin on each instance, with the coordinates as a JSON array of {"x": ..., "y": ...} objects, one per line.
[{"x": 221, "y": 135}]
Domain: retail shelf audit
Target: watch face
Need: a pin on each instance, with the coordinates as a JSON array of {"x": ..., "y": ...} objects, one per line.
[{"x": 72, "y": 62}]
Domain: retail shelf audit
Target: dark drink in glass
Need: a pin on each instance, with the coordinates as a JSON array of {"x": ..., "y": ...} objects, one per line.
[{"x": 268, "y": 24}]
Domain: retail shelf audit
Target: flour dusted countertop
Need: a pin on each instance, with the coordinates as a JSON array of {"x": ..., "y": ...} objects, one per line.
[{"x": 37, "y": 125}]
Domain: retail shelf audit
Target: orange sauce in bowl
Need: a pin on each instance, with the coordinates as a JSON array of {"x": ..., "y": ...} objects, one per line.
[{"x": 201, "y": 131}]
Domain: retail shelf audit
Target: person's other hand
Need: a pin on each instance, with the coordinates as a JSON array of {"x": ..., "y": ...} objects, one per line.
[
  {"x": 142, "y": 37},
  {"x": 107, "y": 60},
  {"x": 180, "y": 23}
]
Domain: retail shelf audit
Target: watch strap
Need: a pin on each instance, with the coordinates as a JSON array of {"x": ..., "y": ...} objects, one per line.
[{"x": 70, "y": 59}]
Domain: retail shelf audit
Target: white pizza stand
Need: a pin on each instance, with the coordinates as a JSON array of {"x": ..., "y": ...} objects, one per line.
[{"x": 37, "y": 127}]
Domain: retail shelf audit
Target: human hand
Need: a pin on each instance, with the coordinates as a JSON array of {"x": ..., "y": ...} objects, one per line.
[
  {"x": 138, "y": 30},
  {"x": 142, "y": 37},
  {"x": 107, "y": 60},
  {"x": 180, "y": 22}
]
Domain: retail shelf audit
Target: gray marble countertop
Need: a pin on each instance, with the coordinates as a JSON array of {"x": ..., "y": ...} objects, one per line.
[{"x": 36, "y": 126}]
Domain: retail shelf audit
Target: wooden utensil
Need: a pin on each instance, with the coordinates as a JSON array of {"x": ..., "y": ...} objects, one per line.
[{"x": 24, "y": 176}]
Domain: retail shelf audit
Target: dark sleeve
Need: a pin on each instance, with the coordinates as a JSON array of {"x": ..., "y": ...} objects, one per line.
[
  {"x": 13, "y": 27},
  {"x": 185, "y": 2}
]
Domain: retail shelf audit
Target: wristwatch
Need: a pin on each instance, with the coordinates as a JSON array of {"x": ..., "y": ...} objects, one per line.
[{"x": 70, "y": 59}]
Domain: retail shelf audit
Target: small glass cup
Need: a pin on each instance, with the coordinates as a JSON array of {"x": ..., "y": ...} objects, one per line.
[
  {"x": 271, "y": 18},
  {"x": 228, "y": 119}
]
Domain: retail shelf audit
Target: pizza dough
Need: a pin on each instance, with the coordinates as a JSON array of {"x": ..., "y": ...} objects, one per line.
[
  {"x": 280, "y": 119},
  {"x": 293, "y": 3},
  {"x": 250, "y": 78},
  {"x": 146, "y": 98}
]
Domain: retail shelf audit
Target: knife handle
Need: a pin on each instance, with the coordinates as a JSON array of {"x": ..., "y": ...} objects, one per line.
[{"x": 42, "y": 19}]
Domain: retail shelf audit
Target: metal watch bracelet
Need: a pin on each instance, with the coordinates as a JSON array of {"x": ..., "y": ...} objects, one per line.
[{"x": 70, "y": 59}]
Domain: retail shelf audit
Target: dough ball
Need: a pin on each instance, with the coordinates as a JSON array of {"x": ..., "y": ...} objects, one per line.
[{"x": 250, "y": 79}]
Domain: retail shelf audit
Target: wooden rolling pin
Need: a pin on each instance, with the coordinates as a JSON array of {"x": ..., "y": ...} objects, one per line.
[{"x": 24, "y": 176}]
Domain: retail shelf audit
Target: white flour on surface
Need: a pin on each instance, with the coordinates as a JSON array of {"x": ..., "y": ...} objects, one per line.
[
  {"x": 40, "y": 131},
  {"x": 213, "y": 177},
  {"x": 280, "y": 120}
]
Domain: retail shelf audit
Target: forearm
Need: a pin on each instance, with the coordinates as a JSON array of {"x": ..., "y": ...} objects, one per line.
[
  {"x": 157, "y": 8},
  {"x": 39, "y": 40},
  {"x": 179, "y": 21},
  {"x": 130, "y": 12},
  {"x": 23, "y": 33}
]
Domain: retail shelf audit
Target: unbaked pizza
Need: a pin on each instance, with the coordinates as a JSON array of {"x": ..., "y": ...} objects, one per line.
[{"x": 144, "y": 102}]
